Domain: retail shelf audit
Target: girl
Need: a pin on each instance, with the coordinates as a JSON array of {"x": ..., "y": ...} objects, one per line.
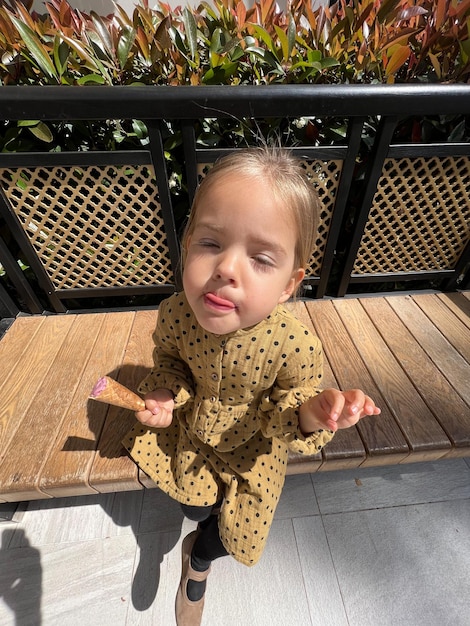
[{"x": 235, "y": 382}]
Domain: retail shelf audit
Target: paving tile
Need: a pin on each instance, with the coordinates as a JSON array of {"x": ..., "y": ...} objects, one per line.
[
  {"x": 319, "y": 574},
  {"x": 391, "y": 547},
  {"x": 405, "y": 565},
  {"x": 155, "y": 580},
  {"x": 160, "y": 513},
  {"x": 297, "y": 498},
  {"x": 397, "y": 485},
  {"x": 65, "y": 520},
  {"x": 271, "y": 593},
  {"x": 21, "y": 573},
  {"x": 72, "y": 584}
]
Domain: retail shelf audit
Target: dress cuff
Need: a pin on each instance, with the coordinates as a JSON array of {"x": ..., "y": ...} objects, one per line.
[{"x": 182, "y": 392}]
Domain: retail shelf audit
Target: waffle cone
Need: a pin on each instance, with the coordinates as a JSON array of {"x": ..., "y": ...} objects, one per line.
[{"x": 111, "y": 392}]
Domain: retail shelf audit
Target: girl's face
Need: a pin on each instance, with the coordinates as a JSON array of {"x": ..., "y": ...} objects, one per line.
[{"x": 240, "y": 255}]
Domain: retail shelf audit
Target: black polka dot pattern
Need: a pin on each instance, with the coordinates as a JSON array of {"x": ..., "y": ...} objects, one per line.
[{"x": 236, "y": 416}]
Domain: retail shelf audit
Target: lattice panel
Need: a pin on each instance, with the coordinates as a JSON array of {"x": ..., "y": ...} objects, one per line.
[
  {"x": 93, "y": 226},
  {"x": 420, "y": 216},
  {"x": 325, "y": 176}
]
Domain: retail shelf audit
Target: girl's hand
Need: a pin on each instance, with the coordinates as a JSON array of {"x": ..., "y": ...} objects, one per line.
[
  {"x": 159, "y": 405},
  {"x": 333, "y": 409}
]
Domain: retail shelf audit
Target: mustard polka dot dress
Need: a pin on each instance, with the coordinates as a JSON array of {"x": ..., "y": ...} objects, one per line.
[{"x": 236, "y": 416}]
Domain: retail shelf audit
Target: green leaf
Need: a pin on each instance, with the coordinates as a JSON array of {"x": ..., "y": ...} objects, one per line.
[
  {"x": 91, "y": 78},
  {"x": 220, "y": 74},
  {"x": 458, "y": 133},
  {"x": 42, "y": 132},
  {"x": 97, "y": 45},
  {"x": 215, "y": 47},
  {"x": 465, "y": 49},
  {"x": 61, "y": 55},
  {"x": 305, "y": 65},
  {"x": 36, "y": 49},
  {"x": 191, "y": 31},
  {"x": 103, "y": 32},
  {"x": 291, "y": 33},
  {"x": 84, "y": 54},
  {"x": 126, "y": 41},
  {"x": 284, "y": 42},
  {"x": 140, "y": 129},
  {"x": 265, "y": 37},
  {"x": 122, "y": 16},
  {"x": 329, "y": 62},
  {"x": 314, "y": 56},
  {"x": 267, "y": 56},
  {"x": 27, "y": 123}
]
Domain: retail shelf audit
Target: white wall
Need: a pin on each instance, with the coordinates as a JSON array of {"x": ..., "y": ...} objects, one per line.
[{"x": 104, "y": 7}]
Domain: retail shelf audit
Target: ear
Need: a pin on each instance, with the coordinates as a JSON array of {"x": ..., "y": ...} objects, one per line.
[{"x": 294, "y": 281}]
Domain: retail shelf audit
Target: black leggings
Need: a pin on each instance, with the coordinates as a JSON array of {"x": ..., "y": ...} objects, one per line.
[{"x": 208, "y": 545}]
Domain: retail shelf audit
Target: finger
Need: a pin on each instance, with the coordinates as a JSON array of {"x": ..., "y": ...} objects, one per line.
[
  {"x": 144, "y": 416},
  {"x": 355, "y": 400},
  {"x": 336, "y": 407},
  {"x": 369, "y": 407}
]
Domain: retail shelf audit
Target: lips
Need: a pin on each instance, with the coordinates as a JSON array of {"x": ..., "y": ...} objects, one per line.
[{"x": 218, "y": 303}]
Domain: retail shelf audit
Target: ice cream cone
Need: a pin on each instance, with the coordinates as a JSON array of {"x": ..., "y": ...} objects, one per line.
[{"x": 111, "y": 392}]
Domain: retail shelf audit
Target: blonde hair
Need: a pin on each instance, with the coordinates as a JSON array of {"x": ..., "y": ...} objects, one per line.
[{"x": 288, "y": 182}]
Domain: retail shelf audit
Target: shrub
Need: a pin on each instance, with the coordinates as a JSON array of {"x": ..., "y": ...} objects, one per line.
[{"x": 224, "y": 42}]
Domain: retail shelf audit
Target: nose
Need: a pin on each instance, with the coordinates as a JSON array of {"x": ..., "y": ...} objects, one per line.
[{"x": 227, "y": 266}]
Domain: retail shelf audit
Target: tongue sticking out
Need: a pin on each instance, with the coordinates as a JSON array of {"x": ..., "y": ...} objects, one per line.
[{"x": 218, "y": 302}]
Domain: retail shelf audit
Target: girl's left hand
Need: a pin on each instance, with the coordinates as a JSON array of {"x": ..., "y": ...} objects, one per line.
[{"x": 333, "y": 409}]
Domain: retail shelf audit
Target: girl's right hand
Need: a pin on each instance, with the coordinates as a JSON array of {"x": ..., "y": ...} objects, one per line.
[{"x": 158, "y": 412}]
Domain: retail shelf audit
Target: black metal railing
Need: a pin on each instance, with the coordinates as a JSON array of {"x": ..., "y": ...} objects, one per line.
[{"x": 350, "y": 221}]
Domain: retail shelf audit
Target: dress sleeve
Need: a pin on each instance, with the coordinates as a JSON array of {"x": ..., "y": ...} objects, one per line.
[
  {"x": 169, "y": 370},
  {"x": 299, "y": 379}
]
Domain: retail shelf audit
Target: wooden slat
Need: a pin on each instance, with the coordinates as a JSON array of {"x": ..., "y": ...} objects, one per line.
[
  {"x": 452, "y": 413},
  {"x": 346, "y": 449},
  {"x": 112, "y": 468},
  {"x": 300, "y": 463},
  {"x": 458, "y": 304},
  {"x": 381, "y": 435},
  {"x": 425, "y": 436},
  {"x": 409, "y": 353},
  {"x": 65, "y": 471},
  {"x": 16, "y": 341},
  {"x": 26, "y": 353},
  {"x": 453, "y": 329},
  {"x": 443, "y": 354},
  {"x": 34, "y": 440}
]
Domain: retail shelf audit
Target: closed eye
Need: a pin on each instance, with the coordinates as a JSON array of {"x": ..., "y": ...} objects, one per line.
[
  {"x": 263, "y": 262},
  {"x": 207, "y": 243}
]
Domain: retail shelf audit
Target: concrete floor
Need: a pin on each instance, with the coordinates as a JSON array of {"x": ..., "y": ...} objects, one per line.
[{"x": 372, "y": 547}]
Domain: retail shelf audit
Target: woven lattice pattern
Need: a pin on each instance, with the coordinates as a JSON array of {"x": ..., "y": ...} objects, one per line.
[
  {"x": 92, "y": 226},
  {"x": 420, "y": 216},
  {"x": 325, "y": 176}
]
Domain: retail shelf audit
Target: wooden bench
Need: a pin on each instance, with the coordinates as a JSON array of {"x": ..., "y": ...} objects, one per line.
[
  {"x": 98, "y": 226},
  {"x": 411, "y": 353}
]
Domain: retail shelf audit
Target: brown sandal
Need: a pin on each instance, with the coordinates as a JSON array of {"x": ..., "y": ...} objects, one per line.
[{"x": 189, "y": 613}]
